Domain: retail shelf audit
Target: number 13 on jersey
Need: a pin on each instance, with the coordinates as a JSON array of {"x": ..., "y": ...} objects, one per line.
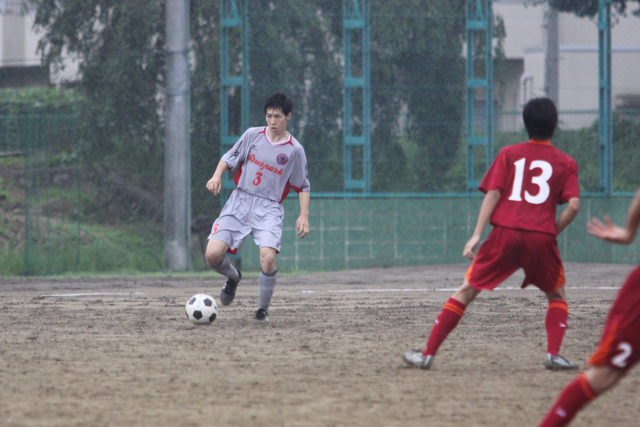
[{"x": 540, "y": 180}]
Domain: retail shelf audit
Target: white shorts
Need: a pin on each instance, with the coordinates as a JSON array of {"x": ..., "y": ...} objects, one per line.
[{"x": 245, "y": 214}]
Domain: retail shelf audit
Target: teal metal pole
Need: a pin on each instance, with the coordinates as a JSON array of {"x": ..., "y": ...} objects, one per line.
[
  {"x": 230, "y": 19},
  {"x": 479, "y": 22},
  {"x": 488, "y": 42},
  {"x": 356, "y": 17},
  {"x": 366, "y": 95}
]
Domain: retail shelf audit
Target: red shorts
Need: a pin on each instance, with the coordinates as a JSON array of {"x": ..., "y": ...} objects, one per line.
[
  {"x": 506, "y": 250},
  {"x": 619, "y": 346}
]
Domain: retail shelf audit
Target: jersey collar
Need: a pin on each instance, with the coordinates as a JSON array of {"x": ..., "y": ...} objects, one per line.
[
  {"x": 535, "y": 141},
  {"x": 266, "y": 135}
]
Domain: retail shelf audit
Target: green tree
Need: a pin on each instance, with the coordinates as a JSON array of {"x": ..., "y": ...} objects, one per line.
[
  {"x": 119, "y": 47},
  {"x": 295, "y": 47},
  {"x": 589, "y": 8}
]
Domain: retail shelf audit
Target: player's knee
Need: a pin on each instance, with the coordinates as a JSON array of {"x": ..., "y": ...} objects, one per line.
[
  {"x": 466, "y": 293},
  {"x": 268, "y": 262},
  {"x": 602, "y": 378},
  {"x": 213, "y": 255},
  {"x": 213, "y": 259},
  {"x": 558, "y": 294}
]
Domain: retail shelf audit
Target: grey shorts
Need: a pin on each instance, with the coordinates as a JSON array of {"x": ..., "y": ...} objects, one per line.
[{"x": 245, "y": 214}]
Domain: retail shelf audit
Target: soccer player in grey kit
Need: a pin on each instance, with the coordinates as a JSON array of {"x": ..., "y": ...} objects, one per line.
[{"x": 268, "y": 162}]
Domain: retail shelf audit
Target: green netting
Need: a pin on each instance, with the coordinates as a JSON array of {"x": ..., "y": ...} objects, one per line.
[
  {"x": 51, "y": 182},
  {"x": 420, "y": 211}
]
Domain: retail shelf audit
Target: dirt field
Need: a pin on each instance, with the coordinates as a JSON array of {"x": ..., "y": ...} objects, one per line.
[{"x": 120, "y": 352}]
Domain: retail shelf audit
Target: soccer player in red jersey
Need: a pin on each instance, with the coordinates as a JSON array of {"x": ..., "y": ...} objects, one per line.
[
  {"x": 522, "y": 189},
  {"x": 619, "y": 348},
  {"x": 268, "y": 162}
]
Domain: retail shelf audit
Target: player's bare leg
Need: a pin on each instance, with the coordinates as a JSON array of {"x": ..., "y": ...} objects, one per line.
[
  {"x": 582, "y": 390},
  {"x": 445, "y": 323},
  {"x": 465, "y": 293},
  {"x": 217, "y": 259},
  {"x": 266, "y": 282},
  {"x": 556, "y": 325}
]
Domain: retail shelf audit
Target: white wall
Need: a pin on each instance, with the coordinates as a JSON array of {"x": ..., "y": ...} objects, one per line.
[
  {"x": 578, "y": 67},
  {"x": 19, "y": 43}
]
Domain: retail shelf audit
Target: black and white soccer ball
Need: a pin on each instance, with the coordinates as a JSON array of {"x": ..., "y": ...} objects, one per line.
[{"x": 201, "y": 309}]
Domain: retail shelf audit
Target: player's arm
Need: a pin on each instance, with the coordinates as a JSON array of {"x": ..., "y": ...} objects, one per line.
[
  {"x": 568, "y": 215},
  {"x": 612, "y": 233},
  {"x": 302, "y": 224},
  {"x": 215, "y": 183},
  {"x": 486, "y": 209}
]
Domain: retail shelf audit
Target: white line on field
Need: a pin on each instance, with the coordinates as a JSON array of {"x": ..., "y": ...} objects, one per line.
[
  {"x": 92, "y": 294},
  {"x": 510, "y": 288}
]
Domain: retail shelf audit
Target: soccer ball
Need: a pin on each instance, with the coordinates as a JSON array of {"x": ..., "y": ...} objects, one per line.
[{"x": 201, "y": 309}]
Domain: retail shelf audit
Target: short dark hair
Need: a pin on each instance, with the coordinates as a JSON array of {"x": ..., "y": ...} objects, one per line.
[
  {"x": 279, "y": 101},
  {"x": 540, "y": 118}
]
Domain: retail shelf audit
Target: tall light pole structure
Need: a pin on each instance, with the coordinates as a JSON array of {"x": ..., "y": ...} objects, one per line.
[
  {"x": 177, "y": 154},
  {"x": 605, "y": 123},
  {"x": 552, "y": 57}
]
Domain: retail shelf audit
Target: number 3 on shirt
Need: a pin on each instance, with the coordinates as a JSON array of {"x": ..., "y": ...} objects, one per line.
[
  {"x": 540, "y": 181},
  {"x": 258, "y": 179}
]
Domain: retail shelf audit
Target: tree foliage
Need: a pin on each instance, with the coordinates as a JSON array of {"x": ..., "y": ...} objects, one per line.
[
  {"x": 296, "y": 48},
  {"x": 119, "y": 47},
  {"x": 589, "y": 8}
]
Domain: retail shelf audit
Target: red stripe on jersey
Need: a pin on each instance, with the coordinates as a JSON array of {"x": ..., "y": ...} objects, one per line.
[
  {"x": 236, "y": 178},
  {"x": 287, "y": 189},
  {"x": 285, "y": 193}
]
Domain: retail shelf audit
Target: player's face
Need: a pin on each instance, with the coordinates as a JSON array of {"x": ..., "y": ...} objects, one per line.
[{"x": 277, "y": 122}]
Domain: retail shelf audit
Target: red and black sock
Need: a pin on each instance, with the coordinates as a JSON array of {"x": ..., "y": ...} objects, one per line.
[
  {"x": 573, "y": 398},
  {"x": 446, "y": 322},
  {"x": 556, "y": 325}
]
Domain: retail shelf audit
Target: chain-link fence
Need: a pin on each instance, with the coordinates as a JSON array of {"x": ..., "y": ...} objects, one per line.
[
  {"x": 46, "y": 223},
  {"x": 412, "y": 99}
]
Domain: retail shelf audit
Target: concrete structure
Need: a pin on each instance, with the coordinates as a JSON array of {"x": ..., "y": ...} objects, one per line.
[
  {"x": 526, "y": 50},
  {"x": 19, "y": 59}
]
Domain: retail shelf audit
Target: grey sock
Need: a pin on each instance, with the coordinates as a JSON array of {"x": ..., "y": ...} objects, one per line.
[
  {"x": 267, "y": 283},
  {"x": 225, "y": 268}
]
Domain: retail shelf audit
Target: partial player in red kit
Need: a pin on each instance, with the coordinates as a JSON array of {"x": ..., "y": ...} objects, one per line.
[
  {"x": 619, "y": 348},
  {"x": 523, "y": 187}
]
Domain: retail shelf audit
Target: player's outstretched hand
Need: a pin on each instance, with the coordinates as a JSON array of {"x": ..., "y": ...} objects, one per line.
[
  {"x": 471, "y": 245},
  {"x": 214, "y": 185},
  {"x": 302, "y": 225},
  {"x": 608, "y": 231}
]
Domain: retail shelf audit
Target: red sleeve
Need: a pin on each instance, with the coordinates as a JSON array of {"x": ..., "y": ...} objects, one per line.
[
  {"x": 496, "y": 176},
  {"x": 571, "y": 188}
]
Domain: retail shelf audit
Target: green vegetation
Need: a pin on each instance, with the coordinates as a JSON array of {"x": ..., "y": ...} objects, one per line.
[
  {"x": 125, "y": 249},
  {"x": 115, "y": 142},
  {"x": 589, "y": 8},
  {"x": 39, "y": 100}
]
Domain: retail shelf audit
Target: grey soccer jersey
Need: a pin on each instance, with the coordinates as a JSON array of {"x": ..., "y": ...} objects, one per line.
[{"x": 265, "y": 169}]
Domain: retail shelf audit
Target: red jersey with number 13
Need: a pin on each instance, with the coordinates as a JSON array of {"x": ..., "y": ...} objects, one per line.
[{"x": 533, "y": 178}]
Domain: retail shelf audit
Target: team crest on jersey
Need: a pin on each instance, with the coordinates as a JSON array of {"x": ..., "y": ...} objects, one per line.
[{"x": 282, "y": 159}]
